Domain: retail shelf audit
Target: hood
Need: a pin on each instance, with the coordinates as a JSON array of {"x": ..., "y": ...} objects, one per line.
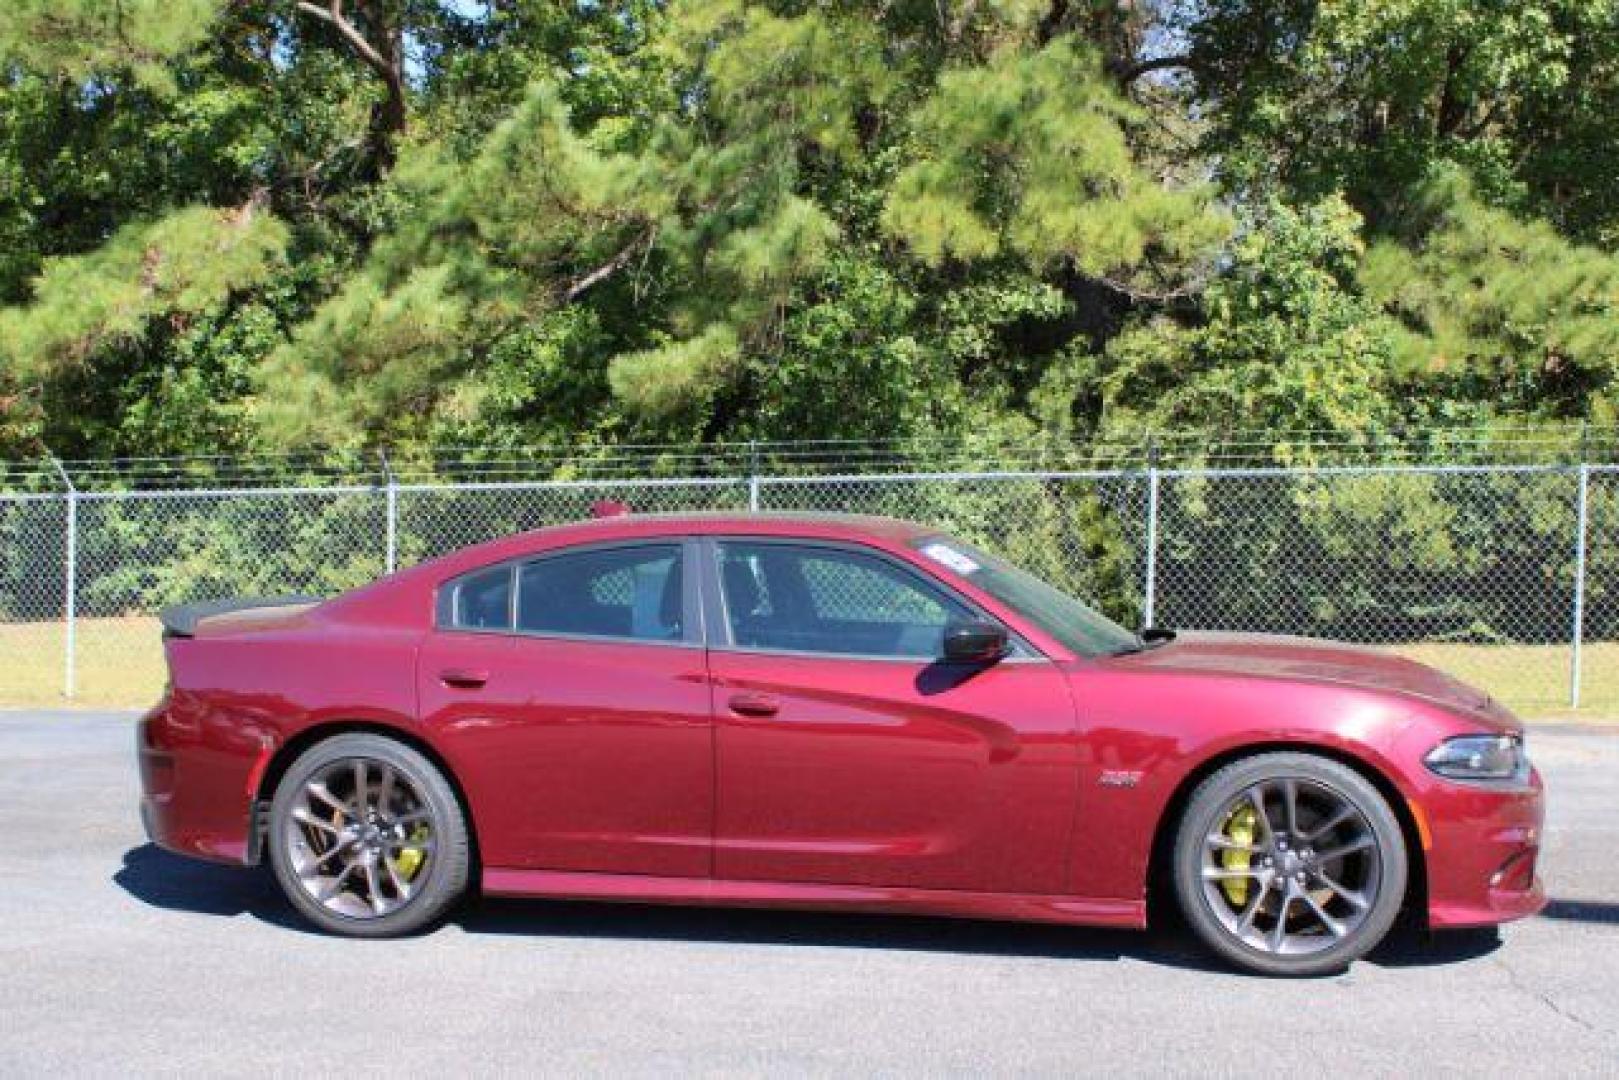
[{"x": 1297, "y": 659}]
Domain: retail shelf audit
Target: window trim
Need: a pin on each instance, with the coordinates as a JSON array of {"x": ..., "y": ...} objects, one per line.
[
  {"x": 717, "y": 617},
  {"x": 693, "y": 629}
]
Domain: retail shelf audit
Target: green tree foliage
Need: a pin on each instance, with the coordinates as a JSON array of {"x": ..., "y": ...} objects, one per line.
[
  {"x": 1284, "y": 341},
  {"x": 1506, "y": 304},
  {"x": 185, "y": 264},
  {"x": 1027, "y": 154},
  {"x": 83, "y": 39},
  {"x": 474, "y": 254},
  {"x": 1367, "y": 97},
  {"x": 276, "y": 223}
]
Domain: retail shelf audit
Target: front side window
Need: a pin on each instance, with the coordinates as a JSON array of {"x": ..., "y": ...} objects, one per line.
[
  {"x": 1077, "y": 625},
  {"x": 634, "y": 593},
  {"x": 830, "y": 600}
]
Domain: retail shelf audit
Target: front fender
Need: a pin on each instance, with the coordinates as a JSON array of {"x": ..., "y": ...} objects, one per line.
[{"x": 1145, "y": 743}]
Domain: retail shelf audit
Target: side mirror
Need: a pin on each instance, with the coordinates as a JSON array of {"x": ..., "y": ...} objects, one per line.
[{"x": 974, "y": 642}]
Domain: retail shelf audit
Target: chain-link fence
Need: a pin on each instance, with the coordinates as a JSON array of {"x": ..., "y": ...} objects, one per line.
[
  {"x": 1597, "y": 677},
  {"x": 1506, "y": 574}
]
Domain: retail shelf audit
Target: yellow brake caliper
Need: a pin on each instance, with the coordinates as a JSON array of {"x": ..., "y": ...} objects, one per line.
[
  {"x": 1239, "y": 829},
  {"x": 410, "y": 858}
]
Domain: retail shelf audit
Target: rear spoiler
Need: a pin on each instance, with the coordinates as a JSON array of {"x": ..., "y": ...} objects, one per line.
[{"x": 181, "y": 621}]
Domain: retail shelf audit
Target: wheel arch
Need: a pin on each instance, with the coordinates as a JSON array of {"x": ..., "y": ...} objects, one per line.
[
  {"x": 1159, "y": 883},
  {"x": 289, "y": 751}
]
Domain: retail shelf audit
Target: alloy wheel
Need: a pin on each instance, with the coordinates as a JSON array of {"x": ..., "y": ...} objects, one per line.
[
  {"x": 360, "y": 838},
  {"x": 1291, "y": 867}
]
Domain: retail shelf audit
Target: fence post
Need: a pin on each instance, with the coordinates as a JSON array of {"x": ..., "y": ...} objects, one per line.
[
  {"x": 753, "y": 477},
  {"x": 391, "y": 493},
  {"x": 1150, "y": 600},
  {"x": 70, "y": 583},
  {"x": 1581, "y": 519}
]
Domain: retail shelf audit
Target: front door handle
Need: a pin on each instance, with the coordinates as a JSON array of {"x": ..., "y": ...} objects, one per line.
[
  {"x": 463, "y": 678},
  {"x": 754, "y": 705}
]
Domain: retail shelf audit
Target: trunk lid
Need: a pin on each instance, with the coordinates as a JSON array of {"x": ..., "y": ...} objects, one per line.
[{"x": 212, "y": 618}]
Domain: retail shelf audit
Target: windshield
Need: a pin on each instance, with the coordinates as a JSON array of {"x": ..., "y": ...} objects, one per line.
[{"x": 1077, "y": 625}]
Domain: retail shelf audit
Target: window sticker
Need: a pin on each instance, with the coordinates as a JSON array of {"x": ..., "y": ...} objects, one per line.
[{"x": 946, "y": 555}]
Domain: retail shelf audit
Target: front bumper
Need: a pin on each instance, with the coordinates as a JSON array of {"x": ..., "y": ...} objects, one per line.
[{"x": 1484, "y": 852}]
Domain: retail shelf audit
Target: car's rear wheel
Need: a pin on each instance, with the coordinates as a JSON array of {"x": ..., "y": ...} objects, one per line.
[
  {"x": 367, "y": 838},
  {"x": 1289, "y": 864}
]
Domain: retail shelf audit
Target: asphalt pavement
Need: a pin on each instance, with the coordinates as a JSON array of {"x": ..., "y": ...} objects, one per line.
[{"x": 116, "y": 958}]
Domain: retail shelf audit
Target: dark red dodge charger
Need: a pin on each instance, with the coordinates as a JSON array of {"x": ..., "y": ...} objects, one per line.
[{"x": 830, "y": 712}]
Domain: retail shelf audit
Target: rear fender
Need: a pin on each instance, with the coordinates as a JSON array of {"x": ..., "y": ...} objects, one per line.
[{"x": 238, "y": 698}]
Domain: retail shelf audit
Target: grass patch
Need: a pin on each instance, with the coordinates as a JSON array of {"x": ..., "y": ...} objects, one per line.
[
  {"x": 1532, "y": 680},
  {"x": 120, "y": 665}
]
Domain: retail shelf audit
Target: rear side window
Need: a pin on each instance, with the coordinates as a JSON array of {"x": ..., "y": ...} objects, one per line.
[
  {"x": 480, "y": 601},
  {"x": 634, "y": 593}
]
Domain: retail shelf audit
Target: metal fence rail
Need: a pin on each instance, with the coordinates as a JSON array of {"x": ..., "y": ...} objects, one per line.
[{"x": 1506, "y": 574}]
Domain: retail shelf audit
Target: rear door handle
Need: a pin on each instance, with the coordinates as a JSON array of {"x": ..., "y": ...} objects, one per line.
[
  {"x": 463, "y": 678},
  {"x": 754, "y": 704}
]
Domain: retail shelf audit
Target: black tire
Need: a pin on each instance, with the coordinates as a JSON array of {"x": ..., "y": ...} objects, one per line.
[
  {"x": 440, "y": 875},
  {"x": 1290, "y": 883}
]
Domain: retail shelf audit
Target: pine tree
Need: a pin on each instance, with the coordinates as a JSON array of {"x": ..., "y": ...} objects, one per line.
[
  {"x": 1283, "y": 341},
  {"x": 1028, "y": 155},
  {"x": 84, "y": 39},
  {"x": 255, "y": 223},
  {"x": 182, "y": 265},
  {"x": 1509, "y": 305}
]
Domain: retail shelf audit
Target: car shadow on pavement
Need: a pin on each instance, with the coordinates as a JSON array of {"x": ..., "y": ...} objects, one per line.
[
  {"x": 1591, "y": 911},
  {"x": 1409, "y": 947},
  {"x": 168, "y": 881},
  {"x": 164, "y": 880},
  {"x": 818, "y": 929}
]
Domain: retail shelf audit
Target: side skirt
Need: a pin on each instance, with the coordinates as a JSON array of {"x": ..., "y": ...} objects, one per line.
[{"x": 872, "y": 899}]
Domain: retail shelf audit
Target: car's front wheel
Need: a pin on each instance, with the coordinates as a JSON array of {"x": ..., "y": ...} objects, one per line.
[
  {"x": 367, "y": 838},
  {"x": 1289, "y": 864}
]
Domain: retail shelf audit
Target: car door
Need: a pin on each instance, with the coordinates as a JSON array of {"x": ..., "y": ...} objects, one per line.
[
  {"x": 572, "y": 690},
  {"x": 846, "y": 752}
]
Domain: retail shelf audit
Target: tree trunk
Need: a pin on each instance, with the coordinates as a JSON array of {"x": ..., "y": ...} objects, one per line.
[
  {"x": 379, "y": 42},
  {"x": 391, "y": 116}
]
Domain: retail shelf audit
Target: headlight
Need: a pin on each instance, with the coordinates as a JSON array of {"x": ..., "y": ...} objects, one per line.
[{"x": 1480, "y": 757}]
